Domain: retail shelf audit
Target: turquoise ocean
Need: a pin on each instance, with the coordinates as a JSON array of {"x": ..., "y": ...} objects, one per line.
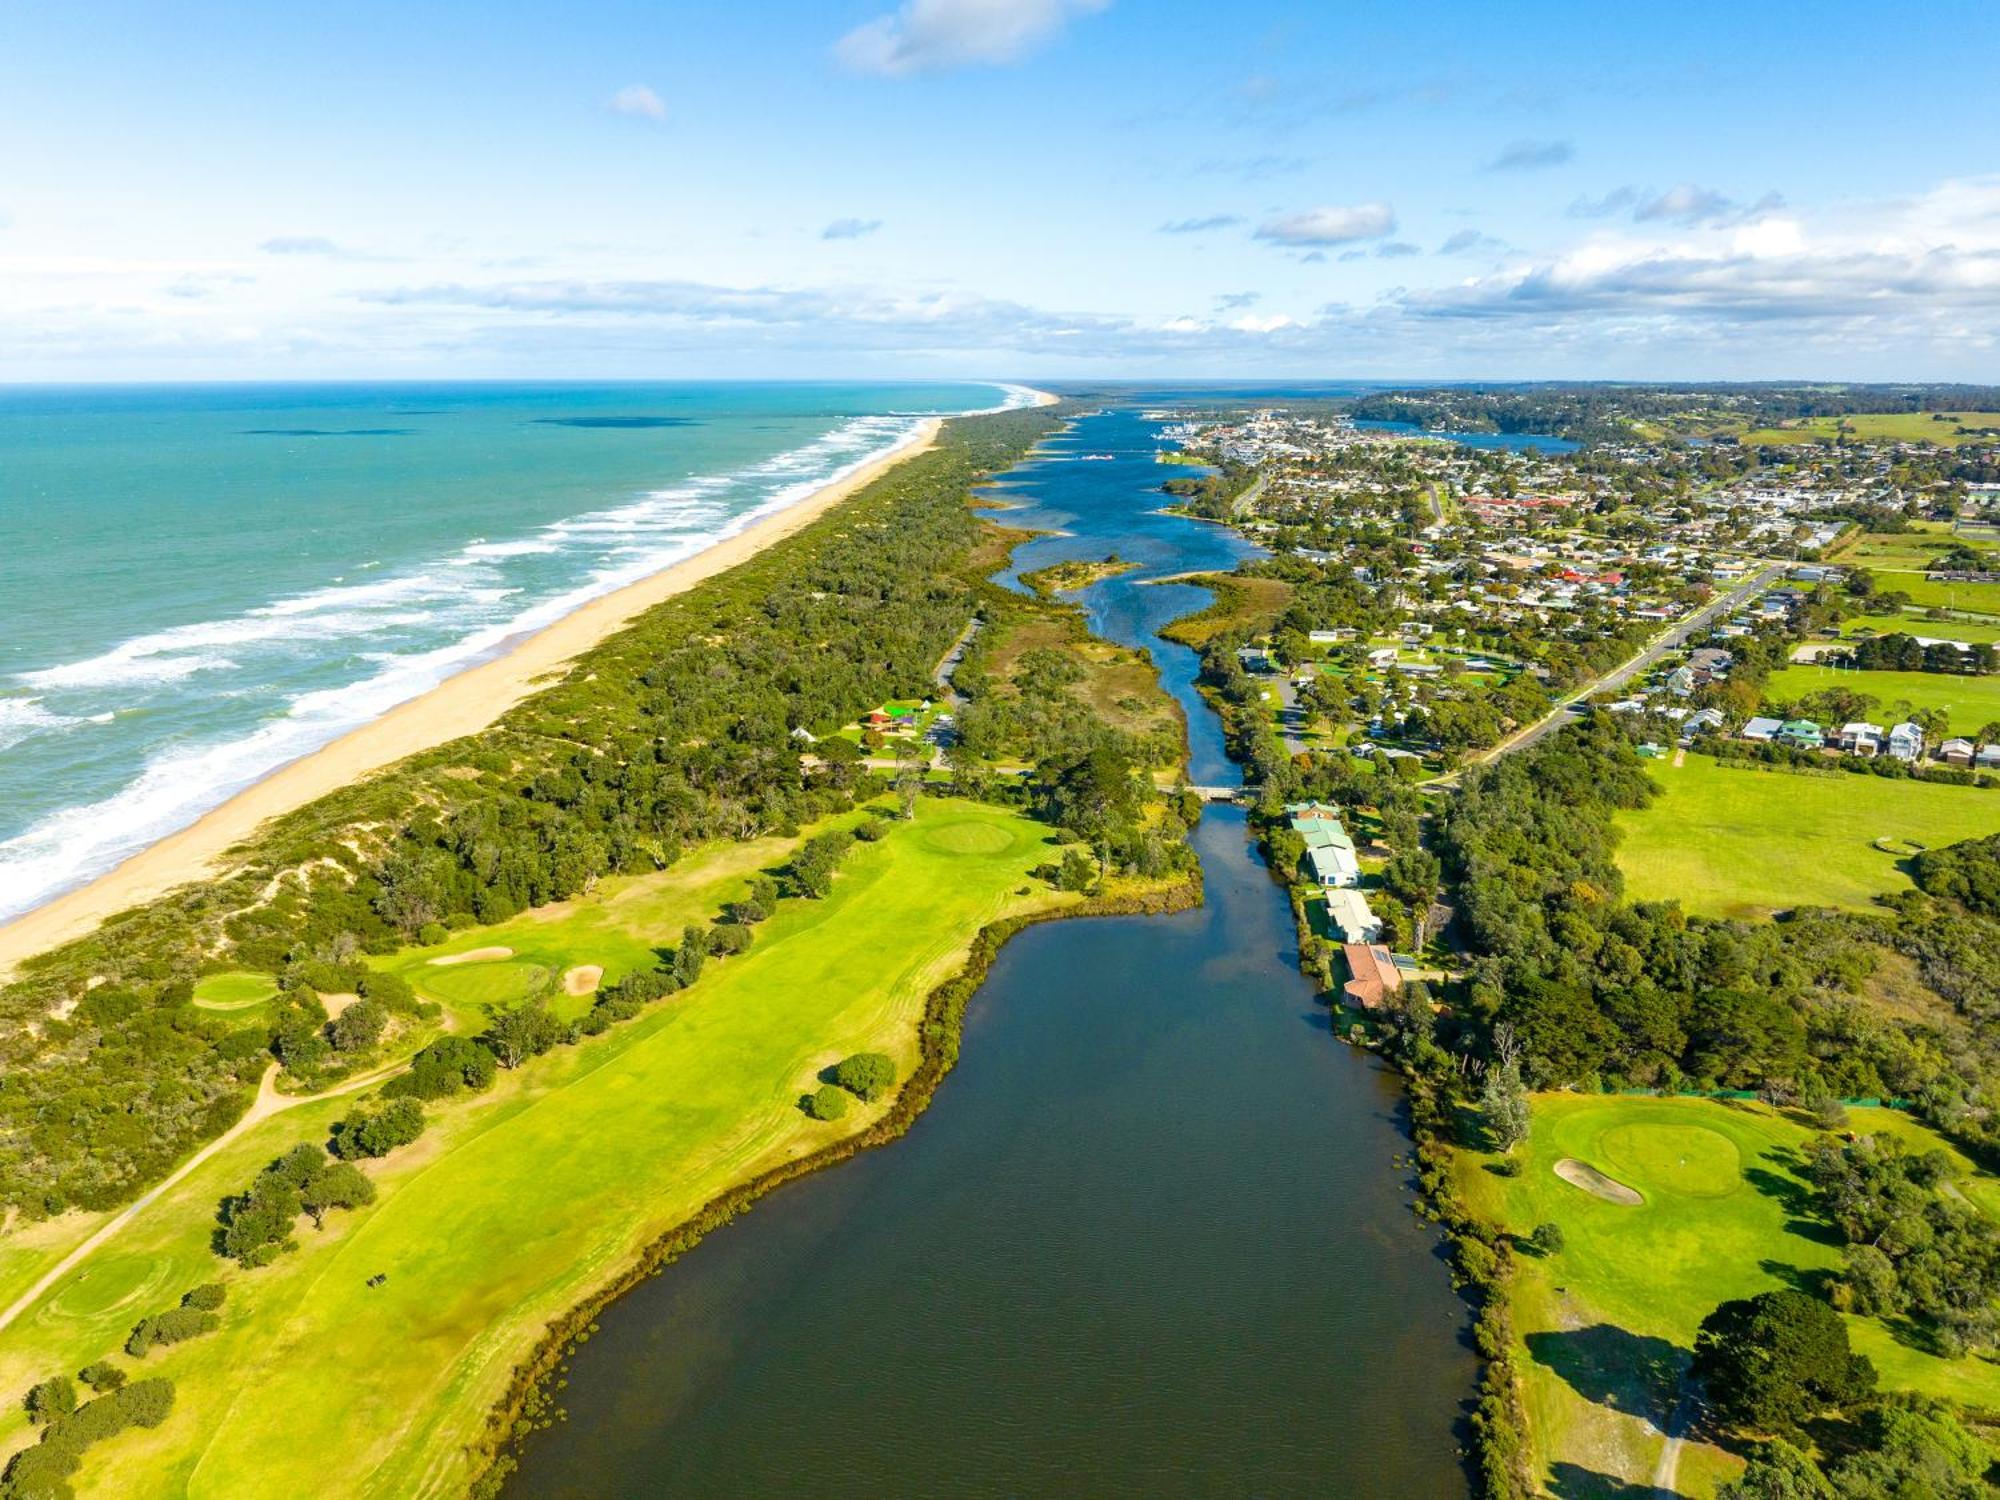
[{"x": 201, "y": 584}]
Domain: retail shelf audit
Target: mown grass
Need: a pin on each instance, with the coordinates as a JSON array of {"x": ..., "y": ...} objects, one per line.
[
  {"x": 1886, "y": 427},
  {"x": 237, "y": 989},
  {"x": 517, "y": 1203},
  {"x": 1608, "y": 1321},
  {"x": 1913, "y": 622},
  {"x": 1744, "y": 842},
  {"x": 1969, "y": 702}
]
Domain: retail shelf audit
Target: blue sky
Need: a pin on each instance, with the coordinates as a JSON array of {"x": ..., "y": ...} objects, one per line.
[{"x": 1013, "y": 188}]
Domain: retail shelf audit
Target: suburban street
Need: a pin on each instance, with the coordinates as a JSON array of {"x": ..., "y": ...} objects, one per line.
[{"x": 1570, "y": 708}]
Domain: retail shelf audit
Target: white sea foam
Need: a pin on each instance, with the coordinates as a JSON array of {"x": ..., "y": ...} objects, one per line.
[
  {"x": 22, "y": 717},
  {"x": 464, "y": 593}
]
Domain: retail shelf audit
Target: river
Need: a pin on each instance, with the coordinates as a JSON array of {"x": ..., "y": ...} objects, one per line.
[{"x": 1152, "y": 1238}]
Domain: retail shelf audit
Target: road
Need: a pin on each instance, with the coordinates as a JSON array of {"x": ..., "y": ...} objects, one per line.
[
  {"x": 948, "y": 664},
  {"x": 1570, "y": 709}
]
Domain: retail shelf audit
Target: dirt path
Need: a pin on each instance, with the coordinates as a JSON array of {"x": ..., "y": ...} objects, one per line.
[
  {"x": 1667, "y": 1473},
  {"x": 268, "y": 1102}
]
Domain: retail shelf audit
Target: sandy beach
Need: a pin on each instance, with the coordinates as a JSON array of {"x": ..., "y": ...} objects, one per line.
[{"x": 461, "y": 705}]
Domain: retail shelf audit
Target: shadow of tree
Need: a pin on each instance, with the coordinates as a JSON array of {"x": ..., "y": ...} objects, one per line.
[
  {"x": 1629, "y": 1372},
  {"x": 1814, "y": 1282},
  {"x": 1575, "y": 1482},
  {"x": 1794, "y": 1196}
]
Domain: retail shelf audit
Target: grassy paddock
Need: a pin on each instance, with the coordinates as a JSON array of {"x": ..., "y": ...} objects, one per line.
[
  {"x": 1912, "y": 622},
  {"x": 1886, "y": 427},
  {"x": 518, "y": 1203},
  {"x": 1746, "y": 842},
  {"x": 1969, "y": 702},
  {"x": 1609, "y": 1321}
]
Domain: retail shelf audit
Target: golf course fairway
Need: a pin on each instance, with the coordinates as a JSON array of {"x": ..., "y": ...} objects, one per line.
[{"x": 518, "y": 1203}]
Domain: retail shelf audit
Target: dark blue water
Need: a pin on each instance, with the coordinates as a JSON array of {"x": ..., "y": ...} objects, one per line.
[
  {"x": 1509, "y": 441},
  {"x": 1153, "y": 1237},
  {"x": 1095, "y": 507}
]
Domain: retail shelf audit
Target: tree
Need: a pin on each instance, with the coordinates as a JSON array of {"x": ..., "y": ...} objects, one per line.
[
  {"x": 825, "y": 1103},
  {"x": 1077, "y": 872},
  {"x": 101, "y": 1376},
  {"x": 691, "y": 954},
  {"x": 377, "y": 1132},
  {"x": 341, "y": 1185},
  {"x": 1773, "y": 1361},
  {"x": 207, "y": 1297},
  {"x": 866, "y": 1075},
  {"x": 52, "y": 1398},
  {"x": 1778, "y": 1471},
  {"x": 1503, "y": 1105},
  {"x": 1914, "y": 1448},
  {"x": 524, "y": 1031},
  {"x": 358, "y": 1027},
  {"x": 1547, "y": 1239}
]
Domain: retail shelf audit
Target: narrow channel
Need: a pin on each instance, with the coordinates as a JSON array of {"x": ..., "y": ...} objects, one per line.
[{"x": 1152, "y": 1238}]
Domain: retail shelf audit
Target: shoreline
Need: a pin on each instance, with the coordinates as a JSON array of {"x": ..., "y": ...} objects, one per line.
[
  {"x": 465, "y": 703},
  {"x": 940, "y": 1035}
]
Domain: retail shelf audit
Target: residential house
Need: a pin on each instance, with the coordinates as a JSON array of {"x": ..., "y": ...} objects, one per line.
[
  {"x": 1347, "y": 913},
  {"x": 1762, "y": 730},
  {"x": 1906, "y": 741},
  {"x": 1859, "y": 738},
  {"x": 1801, "y": 734},
  {"x": 1702, "y": 721},
  {"x": 1373, "y": 972},
  {"x": 1988, "y": 758},
  {"x": 1957, "y": 752},
  {"x": 1332, "y": 866},
  {"x": 1680, "y": 681}
]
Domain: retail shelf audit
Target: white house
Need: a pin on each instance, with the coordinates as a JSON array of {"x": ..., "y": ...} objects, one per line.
[
  {"x": 1762, "y": 729},
  {"x": 1956, "y": 752},
  {"x": 1860, "y": 738},
  {"x": 1334, "y": 867},
  {"x": 1348, "y": 914},
  {"x": 1906, "y": 741}
]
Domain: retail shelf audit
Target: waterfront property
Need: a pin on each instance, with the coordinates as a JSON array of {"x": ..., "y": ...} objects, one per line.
[{"x": 1372, "y": 975}]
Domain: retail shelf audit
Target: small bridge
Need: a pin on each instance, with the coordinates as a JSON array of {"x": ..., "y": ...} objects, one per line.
[{"x": 1217, "y": 793}]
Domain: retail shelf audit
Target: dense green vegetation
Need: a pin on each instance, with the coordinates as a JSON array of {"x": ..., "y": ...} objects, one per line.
[
  {"x": 677, "y": 730},
  {"x": 1605, "y": 412}
]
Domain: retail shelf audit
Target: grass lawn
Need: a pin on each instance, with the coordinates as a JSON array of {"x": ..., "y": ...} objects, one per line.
[
  {"x": 1887, "y": 427},
  {"x": 517, "y": 1203},
  {"x": 238, "y": 989},
  {"x": 1903, "y": 551},
  {"x": 1974, "y": 598},
  {"x": 1913, "y": 622},
  {"x": 1608, "y": 1322},
  {"x": 1741, "y": 843},
  {"x": 1970, "y": 702}
]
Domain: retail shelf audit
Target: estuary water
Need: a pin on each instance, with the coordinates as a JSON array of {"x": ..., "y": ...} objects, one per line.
[
  {"x": 201, "y": 583},
  {"x": 1152, "y": 1238}
]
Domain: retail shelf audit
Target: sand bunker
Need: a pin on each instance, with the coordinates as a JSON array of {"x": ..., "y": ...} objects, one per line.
[
  {"x": 1583, "y": 1175},
  {"x": 583, "y": 979},
  {"x": 335, "y": 1004},
  {"x": 476, "y": 956}
]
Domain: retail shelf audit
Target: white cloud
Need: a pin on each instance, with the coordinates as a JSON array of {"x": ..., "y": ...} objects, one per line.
[
  {"x": 1527, "y": 156},
  {"x": 1330, "y": 226},
  {"x": 849, "y": 229},
  {"x": 1268, "y": 323},
  {"x": 301, "y": 244},
  {"x": 925, "y": 35},
  {"x": 1201, "y": 225},
  {"x": 637, "y": 100}
]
